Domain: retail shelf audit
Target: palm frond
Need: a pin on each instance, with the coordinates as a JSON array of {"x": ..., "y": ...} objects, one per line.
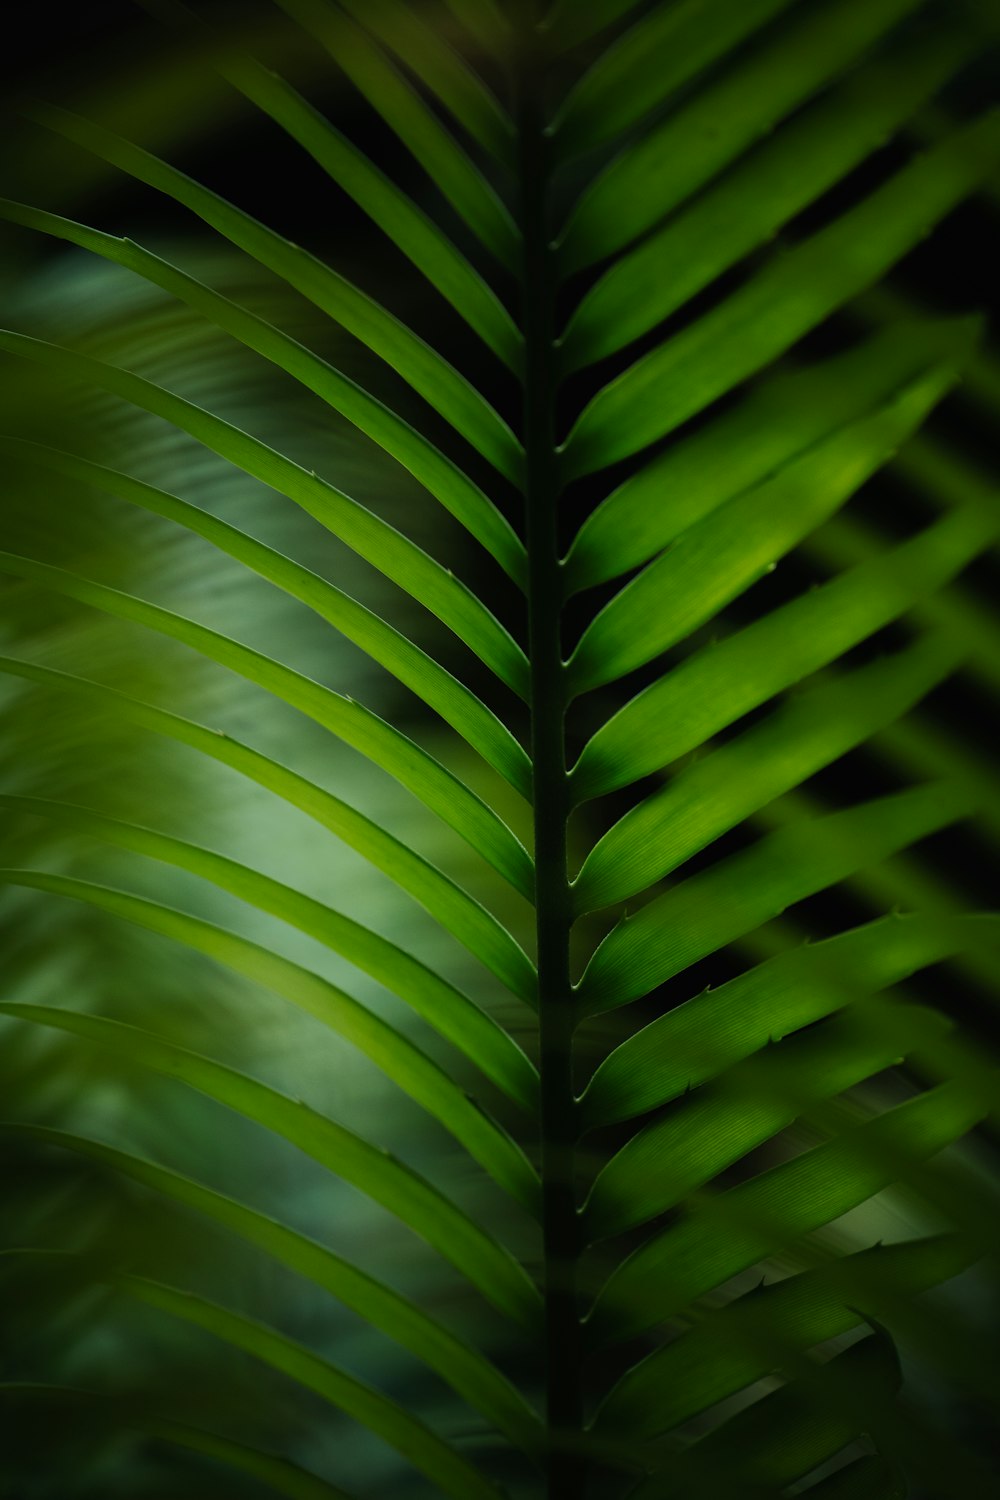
[{"x": 620, "y": 408}]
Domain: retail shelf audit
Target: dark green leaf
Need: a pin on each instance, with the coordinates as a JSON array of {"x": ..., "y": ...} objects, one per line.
[
  {"x": 403, "y": 110},
  {"x": 738, "y": 1228},
  {"x": 696, "y": 1041},
  {"x": 741, "y": 892},
  {"x": 365, "y": 533},
  {"x": 457, "y": 912},
  {"x": 786, "y": 1434},
  {"x": 424, "y": 676},
  {"x": 429, "y": 374},
  {"x": 435, "y": 1458},
  {"x": 754, "y": 1335},
  {"x": 397, "y": 1057},
  {"x": 650, "y": 178},
  {"x": 718, "y": 558},
  {"x": 681, "y": 1151},
  {"x": 790, "y": 296},
  {"x": 717, "y": 685},
  {"x": 453, "y": 1014},
  {"x": 717, "y": 793},
  {"x": 469, "y": 1373},
  {"x": 662, "y": 51},
  {"x": 442, "y": 70},
  {"x": 766, "y": 190},
  {"x": 266, "y": 1468},
  {"x": 372, "y": 1170},
  {"x": 348, "y": 720},
  {"x": 443, "y": 478}
]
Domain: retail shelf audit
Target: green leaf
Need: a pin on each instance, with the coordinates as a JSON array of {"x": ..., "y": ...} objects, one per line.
[
  {"x": 426, "y": 53},
  {"x": 370, "y": 1169},
  {"x": 768, "y": 188},
  {"x": 774, "y": 423},
  {"x": 422, "y": 367},
  {"x": 741, "y": 892},
  {"x": 698, "y": 1040},
  {"x": 790, "y": 296},
  {"x": 753, "y": 1335},
  {"x": 673, "y": 147},
  {"x": 351, "y": 722},
  {"x": 397, "y": 1057},
  {"x": 791, "y": 1431},
  {"x": 277, "y": 1473},
  {"x": 651, "y": 177},
  {"x": 484, "y": 20},
  {"x": 571, "y": 23},
  {"x": 467, "y": 1371},
  {"x": 717, "y": 685},
  {"x": 651, "y": 61},
  {"x": 435, "y": 1458},
  {"x": 403, "y": 110},
  {"x": 457, "y": 912},
  {"x": 284, "y": 1477},
  {"x": 740, "y": 1227},
  {"x": 365, "y": 533},
  {"x": 678, "y": 1153},
  {"x": 456, "y": 704},
  {"x": 480, "y": 1039},
  {"x": 409, "y": 228},
  {"x": 717, "y": 793},
  {"x": 948, "y": 483},
  {"x": 720, "y": 557},
  {"x": 443, "y": 478}
]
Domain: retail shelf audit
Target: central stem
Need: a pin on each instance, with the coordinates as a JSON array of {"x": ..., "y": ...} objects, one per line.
[{"x": 551, "y": 795}]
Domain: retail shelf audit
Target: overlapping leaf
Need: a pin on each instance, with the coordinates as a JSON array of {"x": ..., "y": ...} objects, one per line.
[{"x": 689, "y": 135}]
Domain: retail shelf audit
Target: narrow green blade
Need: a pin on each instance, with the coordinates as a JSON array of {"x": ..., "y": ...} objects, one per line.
[
  {"x": 370, "y": 1169},
  {"x": 650, "y": 178},
  {"x": 278, "y": 1474},
  {"x": 438, "y": 474},
  {"x": 752, "y": 1221},
  {"x": 784, "y": 301},
  {"x": 680, "y": 1152},
  {"x": 773, "y": 423},
  {"x": 422, "y": 367},
  {"x": 720, "y": 557},
  {"x": 349, "y": 721},
  {"x": 458, "y": 913},
  {"x": 411, "y": 230},
  {"x": 784, "y": 1435},
  {"x": 364, "y": 532},
  {"x": 443, "y": 1466},
  {"x": 468, "y": 1372},
  {"x": 485, "y": 21},
  {"x": 754, "y": 1334},
  {"x": 284, "y": 1477},
  {"x": 768, "y": 188},
  {"x": 412, "y": 1070},
  {"x": 650, "y": 62},
  {"x": 715, "y": 686},
  {"x": 741, "y": 892},
  {"x": 713, "y": 795},
  {"x": 444, "y": 72},
  {"x": 419, "y": 129},
  {"x": 570, "y": 23},
  {"x": 477, "y": 1036},
  {"x": 456, "y": 704},
  {"x": 698, "y": 1040}
]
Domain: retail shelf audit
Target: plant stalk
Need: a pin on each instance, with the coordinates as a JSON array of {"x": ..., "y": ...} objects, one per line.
[{"x": 562, "y": 1351}]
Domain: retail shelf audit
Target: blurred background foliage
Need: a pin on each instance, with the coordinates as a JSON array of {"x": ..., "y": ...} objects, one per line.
[{"x": 117, "y": 65}]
